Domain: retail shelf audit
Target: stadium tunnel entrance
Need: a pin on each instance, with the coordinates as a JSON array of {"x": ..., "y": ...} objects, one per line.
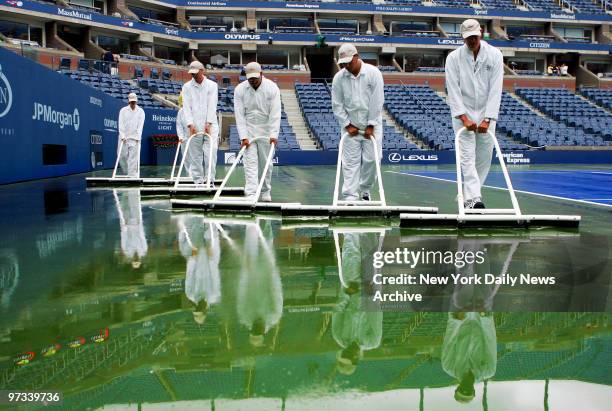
[{"x": 321, "y": 63}]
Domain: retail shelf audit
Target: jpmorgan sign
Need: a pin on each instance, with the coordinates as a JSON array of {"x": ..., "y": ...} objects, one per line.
[{"x": 46, "y": 113}]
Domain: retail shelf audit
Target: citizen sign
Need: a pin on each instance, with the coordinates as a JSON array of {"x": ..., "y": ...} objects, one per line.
[
  {"x": 398, "y": 157},
  {"x": 6, "y": 95}
]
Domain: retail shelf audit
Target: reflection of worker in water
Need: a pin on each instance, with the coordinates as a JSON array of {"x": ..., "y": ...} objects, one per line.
[
  {"x": 199, "y": 244},
  {"x": 354, "y": 329},
  {"x": 9, "y": 276},
  {"x": 260, "y": 292},
  {"x": 469, "y": 350},
  {"x": 133, "y": 240}
]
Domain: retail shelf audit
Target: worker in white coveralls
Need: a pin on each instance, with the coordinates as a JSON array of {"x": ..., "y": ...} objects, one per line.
[
  {"x": 199, "y": 244},
  {"x": 133, "y": 239},
  {"x": 257, "y": 106},
  {"x": 200, "y": 97},
  {"x": 469, "y": 350},
  {"x": 131, "y": 122},
  {"x": 474, "y": 81},
  {"x": 357, "y": 102},
  {"x": 356, "y": 328},
  {"x": 260, "y": 291}
]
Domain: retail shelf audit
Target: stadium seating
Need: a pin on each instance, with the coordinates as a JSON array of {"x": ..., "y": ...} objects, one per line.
[
  {"x": 498, "y": 4},
  {"x": 522, "y": 124},
  {"x": 586, "y": 6},
  {"x": 286, "y": 137},
  {"x": 601, "y": 97},
  {"x": 161, "y": 86},
  {"x": 405, "y": 2},
  {"x": 542, "y": 5},
  {"x": 113, "y": 86},
  {"x": 427, "y": 116},
  {"x": 315, "y": 101},
  {"x": 453, "y": 3},
  {"x": 594, "y": 122}
]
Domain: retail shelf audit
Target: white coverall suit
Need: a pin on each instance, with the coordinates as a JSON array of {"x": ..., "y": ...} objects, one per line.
[
  {"x": 130, "y": 129},
  {"x": 470, "y": 344},
  {"x": 260, "y": 292},
  {"x": 351, "y": 321},
  {"x": 258, "y": 114},
  {"x": 359, "y": 101},
  {"x": 199, "y": 244},
  {"x": 133, "y": 239},
  {"x": 474, "y": 88},
  {"x": 199, "y": 108}
]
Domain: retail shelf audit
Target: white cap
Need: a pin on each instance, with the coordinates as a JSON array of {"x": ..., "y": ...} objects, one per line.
[
  {"x": 132, "y": 97},
  {"x": 470, "y": 27},
  {"x": 346, "y": 53},
  {"x": 195, "y": 67},
  {"x": 253, "y": 69}
]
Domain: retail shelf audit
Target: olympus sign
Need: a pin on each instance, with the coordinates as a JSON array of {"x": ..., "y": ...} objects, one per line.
[
  {"x": 235, "y": 36},
  {"x": 397, "y": 157},
  {"x": 46, "y": 113}
]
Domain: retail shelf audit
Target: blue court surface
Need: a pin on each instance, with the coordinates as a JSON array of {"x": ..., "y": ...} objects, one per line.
[{"x": 592, "y": 185}]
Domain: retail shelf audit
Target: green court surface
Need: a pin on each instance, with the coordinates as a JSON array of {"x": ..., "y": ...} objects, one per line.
[{"x": 117, "y": 301}]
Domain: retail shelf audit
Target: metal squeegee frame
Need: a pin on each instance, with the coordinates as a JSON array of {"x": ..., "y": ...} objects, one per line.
[
  {"x": 487, "y": 217},
  {"x": 358, "y": 208}
]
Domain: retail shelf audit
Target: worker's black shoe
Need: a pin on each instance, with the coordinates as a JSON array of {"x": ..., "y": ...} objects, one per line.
[
  {"x": 365, "y": 197},
  {"x": 478, "y": 204}
]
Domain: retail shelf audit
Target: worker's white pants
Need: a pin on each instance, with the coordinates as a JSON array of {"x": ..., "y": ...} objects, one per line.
[
  {"x": 196, "y": 161},
  {"x": 358, "y": 165},
  {"x": 475, "y": 153},
  {"x": 254, "y": 163},
  {"x": 128, "y": 158},
  {"x": 213, "y": 159}
]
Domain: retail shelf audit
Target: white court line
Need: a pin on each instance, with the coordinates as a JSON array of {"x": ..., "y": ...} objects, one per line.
[
  {"x": 505, "y": 189},
  {"x": 531, "y": 172}
]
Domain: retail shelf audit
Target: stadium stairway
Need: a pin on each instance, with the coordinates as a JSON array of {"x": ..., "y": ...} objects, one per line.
[{"x": 295, "y": 118}]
